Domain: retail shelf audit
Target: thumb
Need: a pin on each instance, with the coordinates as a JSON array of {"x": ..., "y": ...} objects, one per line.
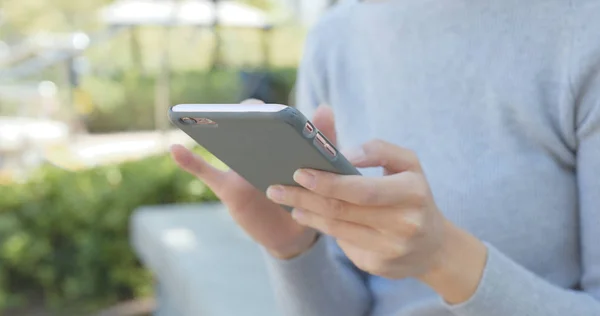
[
  {"x": 379, "y": 153},
  {"x": 323, "y": 120},
  {"x": 198, "y": 167},
  {"x": 252, "y": 101}
]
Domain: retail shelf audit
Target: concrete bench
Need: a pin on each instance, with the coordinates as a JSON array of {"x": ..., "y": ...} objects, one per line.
[{"x": 204, "y": 264}]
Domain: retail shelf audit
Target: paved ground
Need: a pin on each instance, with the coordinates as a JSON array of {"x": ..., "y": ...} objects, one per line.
[
  {"x": 108, "y": 148},
  {"x": 203, "y": 262},
  {"x": 88, "y": 150},
  {"x": 139, "y": 307}
]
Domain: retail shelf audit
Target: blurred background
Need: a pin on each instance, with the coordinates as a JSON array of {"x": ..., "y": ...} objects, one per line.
[{"x": 84, "y": 90}]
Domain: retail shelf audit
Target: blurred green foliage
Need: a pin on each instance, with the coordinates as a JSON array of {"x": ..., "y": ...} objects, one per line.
[
  {"x": 118, "y": 73},
  {"x": 65, "y": 234},
  {"x": 126, "y": 101},
  {"x": 24, "y": 17},
  {"x": 263, "y": 4}
]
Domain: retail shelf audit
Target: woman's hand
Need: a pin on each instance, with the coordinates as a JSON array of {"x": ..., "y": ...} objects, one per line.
[
  {"x": 266, "y": 222},
  {"x": 388, "y": 226}
]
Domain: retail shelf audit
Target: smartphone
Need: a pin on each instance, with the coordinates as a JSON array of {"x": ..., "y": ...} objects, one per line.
[{"x": 263, "y": 143}]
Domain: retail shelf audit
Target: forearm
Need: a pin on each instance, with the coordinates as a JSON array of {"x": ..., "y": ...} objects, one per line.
[
  {"x": 507, "y": 288},
  {"x": 460, "y": 267},
  {"x": 475, "y": 281},
  {"x": 316, "y": 283}
]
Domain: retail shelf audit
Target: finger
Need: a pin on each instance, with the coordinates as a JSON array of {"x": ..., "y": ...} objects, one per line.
[
  {"x": 379, "y": 153},
  {"x": 398, "y": 189},
  {"x": 324, "y": 122},
  {"x": 330, "y": 208},
  {"x": 355, "y": 234},
  {"x": 388, "y": 220},
  {"x": 197, "y": 166},
  {"x": 252, "y": 101}
]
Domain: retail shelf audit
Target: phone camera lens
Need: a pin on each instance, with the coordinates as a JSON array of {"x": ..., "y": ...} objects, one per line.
[
  {"x": 187, "y": 120},
  {"x": 204, "y": 121}
]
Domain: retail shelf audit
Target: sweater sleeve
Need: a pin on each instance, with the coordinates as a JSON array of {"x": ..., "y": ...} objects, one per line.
[
  {"x": 506, "y": 287},
  {"x": 321, "y": 281}
]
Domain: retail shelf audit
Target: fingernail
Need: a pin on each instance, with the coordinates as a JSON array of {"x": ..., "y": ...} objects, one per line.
[
  {"x": 276, "y": 193},
  {"x": 305, "y": 178},
  {"x": 175, "y": 147},
  {"x": 298, "y": 214},
  {"x": 252, "y": 101},
  {"x": 355, "y": 155}
]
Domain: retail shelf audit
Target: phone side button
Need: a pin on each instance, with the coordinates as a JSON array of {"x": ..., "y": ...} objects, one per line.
[
  {"x": 324, "y": 147},
  {"x": 308, "y": 130},
  {"x": 330, "y": 150}
]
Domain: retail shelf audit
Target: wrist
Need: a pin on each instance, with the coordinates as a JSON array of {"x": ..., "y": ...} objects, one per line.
[
  {"x": 461, "y": 262},
  {"x": 303, "y": 243}
]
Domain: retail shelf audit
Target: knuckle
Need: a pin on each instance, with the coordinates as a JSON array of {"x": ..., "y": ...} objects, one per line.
[
  {"x": 295, "y": 197},
  {"x": 411, "y": 225},
  {"x": 391, "y": 252},
  {"x": 326, "y": 184},
  {"x": 331, "y": 227},
  {"x": 421, "y": 183},
  {"x": 375, "y": 148},
  {"x": 419, "y": 196},
  {"x": 364, "y": 264},
  {"x": 411, "y": 230},
  {"x": 419, "y": 193},
  {"x": 397, "y": 249},
  {"x": 412, "y": 155},
  {"x": 336, "y": 208},
  {"x": 369, "y": 195},
  {"x": 374, "y": 265},
  {"x": 377, "y": 143}
]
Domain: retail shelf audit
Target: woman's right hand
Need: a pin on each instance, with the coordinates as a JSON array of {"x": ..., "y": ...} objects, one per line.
[{"x": 266, "y": 222}]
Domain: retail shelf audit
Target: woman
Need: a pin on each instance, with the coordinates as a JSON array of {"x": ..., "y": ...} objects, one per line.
[{"x": 484, "y": 117}]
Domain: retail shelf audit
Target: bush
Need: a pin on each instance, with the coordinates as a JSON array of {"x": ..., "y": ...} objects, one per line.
[
  {"x": 126, "y": 101},
  {"x": 65, "y": 234}
]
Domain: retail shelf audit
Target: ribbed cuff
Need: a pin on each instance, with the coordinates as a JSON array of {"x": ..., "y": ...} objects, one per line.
[
  {"x": 302, "y": 264},
  {"x": 503, "y": 286},
  {"x": 301, "y": 283}
]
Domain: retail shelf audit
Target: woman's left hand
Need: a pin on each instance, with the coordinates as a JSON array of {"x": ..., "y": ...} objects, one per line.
[{"x": 388, "y": 226}]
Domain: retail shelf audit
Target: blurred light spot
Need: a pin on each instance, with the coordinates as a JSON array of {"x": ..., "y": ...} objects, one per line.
[
  {"x": 18, "y": 133},
  {"x": 181, "y": 239},
  {"x": 47, "y": 89},
  {"x": 10, "y": 134},
  {"x": 124, "y": 147},
  {"x": 47, "y": 131},
  {"x": 80, "y": 40}
]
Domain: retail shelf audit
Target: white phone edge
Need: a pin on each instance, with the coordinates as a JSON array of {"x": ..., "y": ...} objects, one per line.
[{"x": 225, "y": 108}]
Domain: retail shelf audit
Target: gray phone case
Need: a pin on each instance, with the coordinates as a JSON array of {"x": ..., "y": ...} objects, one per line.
[{"x": 265, "y": 148}]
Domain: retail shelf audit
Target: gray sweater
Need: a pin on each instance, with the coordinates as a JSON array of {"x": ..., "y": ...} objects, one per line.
[{"x": 501, "y": 101}]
